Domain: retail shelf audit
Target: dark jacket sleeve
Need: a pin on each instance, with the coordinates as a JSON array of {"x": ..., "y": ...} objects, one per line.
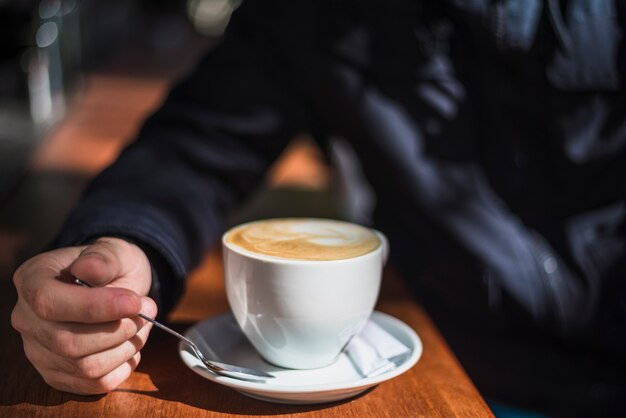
[{"x": 201, "y": 152}]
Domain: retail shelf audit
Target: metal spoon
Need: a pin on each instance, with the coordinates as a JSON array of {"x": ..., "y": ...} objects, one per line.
[{"x": 216, "y": 367}]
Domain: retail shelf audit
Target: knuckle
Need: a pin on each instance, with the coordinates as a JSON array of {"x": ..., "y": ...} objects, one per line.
[
  {"x": 17, "y": 321},
  {"x": 105, "y": 384},
  {"x": 18, "y": 275},
  {"x": 91, "y": 367},
  {"x": 30, "y": 353},
  {"x": 63, "y": 343},
  {"x": 40, "y": 303},
  {"x": 109, "y": 247}
]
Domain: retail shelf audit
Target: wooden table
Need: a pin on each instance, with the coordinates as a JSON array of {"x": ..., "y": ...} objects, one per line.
[{"x": 436, "y": 386}]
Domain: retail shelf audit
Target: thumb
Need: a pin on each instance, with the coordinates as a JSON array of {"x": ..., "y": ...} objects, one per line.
[{"x": 99, "y": 263}]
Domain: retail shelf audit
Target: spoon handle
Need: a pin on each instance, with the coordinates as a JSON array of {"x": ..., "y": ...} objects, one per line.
[
  {"x": 229, "y": 370},
  {"x": 78, "y": 281}
]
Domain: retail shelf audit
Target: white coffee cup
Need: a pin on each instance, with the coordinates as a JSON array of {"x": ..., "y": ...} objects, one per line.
[{"x": 297, "y": 313}]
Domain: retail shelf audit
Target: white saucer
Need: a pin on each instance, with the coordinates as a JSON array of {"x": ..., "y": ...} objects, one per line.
[{"x": 220, "y": 339}]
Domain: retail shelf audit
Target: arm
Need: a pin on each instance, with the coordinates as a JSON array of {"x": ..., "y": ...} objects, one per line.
[{"x": 204, "y": 150}]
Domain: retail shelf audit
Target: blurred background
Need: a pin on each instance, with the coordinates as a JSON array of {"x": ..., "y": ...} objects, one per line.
[{"x": 77, "y": 78}]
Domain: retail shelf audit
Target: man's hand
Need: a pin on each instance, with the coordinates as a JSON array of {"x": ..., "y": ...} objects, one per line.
[{"x": 84, "y": 340}]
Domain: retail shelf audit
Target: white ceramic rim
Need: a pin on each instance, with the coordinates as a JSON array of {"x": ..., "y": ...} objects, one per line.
[
  {"x": 257, "y": 387},
  {"x": 270, "y": 258}
]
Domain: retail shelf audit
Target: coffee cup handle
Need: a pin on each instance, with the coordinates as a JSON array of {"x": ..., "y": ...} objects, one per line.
[{"x": 385, "y": 246}]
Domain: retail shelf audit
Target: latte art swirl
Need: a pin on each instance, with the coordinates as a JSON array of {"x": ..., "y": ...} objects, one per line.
[{"x": 304, "y": 239}]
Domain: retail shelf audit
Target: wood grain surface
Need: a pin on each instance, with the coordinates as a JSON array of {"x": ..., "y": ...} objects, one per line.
[{"x": 162, "y": 386}]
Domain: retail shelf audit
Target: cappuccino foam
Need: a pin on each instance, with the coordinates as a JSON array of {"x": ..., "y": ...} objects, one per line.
[{"x": 304, "y": 239}]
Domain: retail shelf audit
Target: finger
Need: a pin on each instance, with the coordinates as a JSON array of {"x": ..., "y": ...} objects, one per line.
[
  {"x": 149, "y": 307},
  {"x": 74, "y": 340},
  {"x": 101, "y": 262},
  {"x": 83, "y": 386},
  {"x": 92, "y": 366},
  {"x": 100, "y": 364},
  {"x": 54, "y": 300},
  {"x": 49, "y": 264},
  {"x": 36, "y": 354}
]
